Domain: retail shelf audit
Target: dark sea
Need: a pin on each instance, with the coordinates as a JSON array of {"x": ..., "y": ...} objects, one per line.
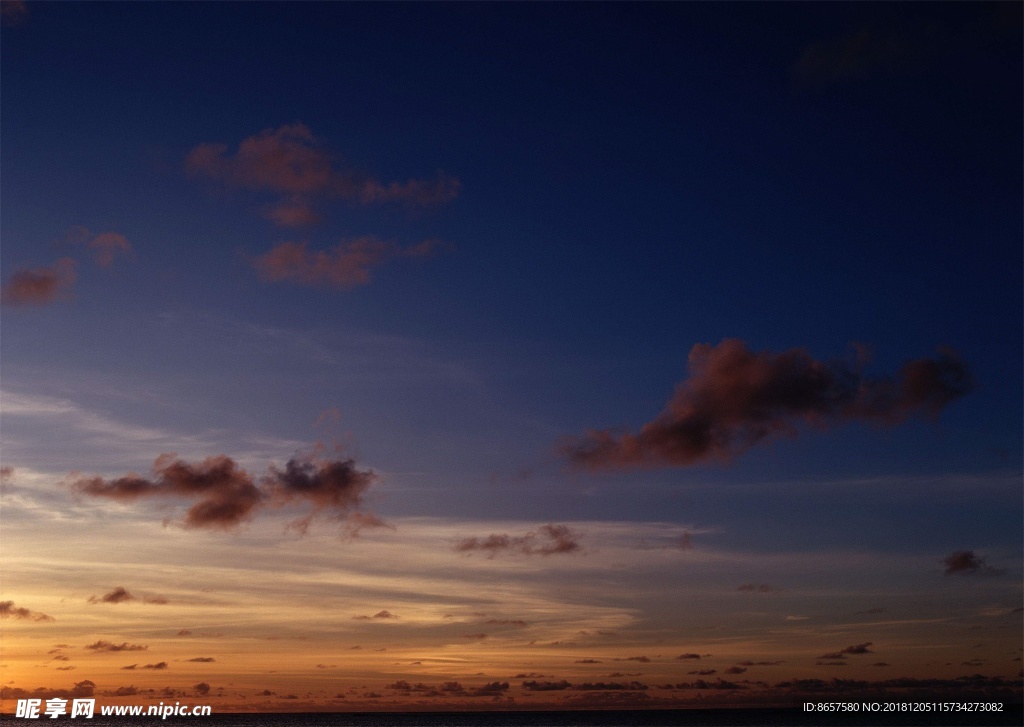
[{"x": 1013, "y": 715}]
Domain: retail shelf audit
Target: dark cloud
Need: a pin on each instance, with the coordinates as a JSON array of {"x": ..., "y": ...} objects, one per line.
[
  {"x": 550, "y": 540},
  {"x": 967, "y": 562},
  {"x": 688, "y": 656},
  {"x": 118, "y": 595},
  {"x": 493, "y": 689},
  {"x": 291, "y": 164},
  {"x": 858, "y": 649},
  {"x": 759, "y": 663},
  {"x": 39, "y": 286},
  {"x": 129, "y": 691},
  {"x": 385, "y": 614},
  {"x": 756, "y": 588},
  {"x": 203, "y": 659},
  {"x": 610, "y": 686},
  {"x": 735, "y": 398},
  {"x": 158, "y": 665},
  {"x": 587, "y": 661},
  {"x": 224, "y": 495},
  {"x": 333, "y": 488},
  {"x": 641, "y": 659},
  {"x": 9, "y": 610},
  {"x": 346, "y": 266},
  {"x": 537, "y": 686},
  {"x": 109, "y": 646},
  {"x": 735, "y": 670},
  {"x": 703, "y": 672},
  {"x": 202, "y": 688}
]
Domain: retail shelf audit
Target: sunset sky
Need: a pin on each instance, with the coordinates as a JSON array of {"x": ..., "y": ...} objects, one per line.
[{"x": 421, "y": 356}]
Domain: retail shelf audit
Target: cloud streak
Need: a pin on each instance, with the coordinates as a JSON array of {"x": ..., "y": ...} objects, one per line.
[{"x": 736, "y": 398}]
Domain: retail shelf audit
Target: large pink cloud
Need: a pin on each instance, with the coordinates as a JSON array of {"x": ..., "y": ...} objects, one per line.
[{"x": 735, "y": 398}]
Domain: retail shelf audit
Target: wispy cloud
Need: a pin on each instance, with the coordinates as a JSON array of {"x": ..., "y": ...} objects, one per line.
[
  {"x": 346, "y": 266},
  {"x": 295, "y": 166},
  {"x": 735, "y": 398}
]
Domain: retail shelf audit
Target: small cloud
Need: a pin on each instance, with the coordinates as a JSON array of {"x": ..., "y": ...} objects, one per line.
[
  {"x": 118, "y": 595},
  {"x": 39, "y": 286},
  {"x": 756, "y": 588},
  {"x": 587, "y": 661},
  {"x": 184, "y": 632},
  {"x": 475, "y": 637},
  {"x": 158, "y": 665},
  {"x": 385, "y": 614},
  {"x": 202, "y": 688},
  {"x": 107, "y": 245},
  {"x": 858, "y": 649},
  {"x": 683, "y": 657},
  {"x": 203, "y": 659},
  {"x": 735, "y": 670}
]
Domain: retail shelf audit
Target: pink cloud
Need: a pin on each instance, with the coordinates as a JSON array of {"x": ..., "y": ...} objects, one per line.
[
  {"x": 39, "y": 286},
  {"x": 108, "y": 244}
]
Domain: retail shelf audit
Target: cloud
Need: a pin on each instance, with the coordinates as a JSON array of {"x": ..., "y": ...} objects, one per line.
[
  {"x": 858, "y": 649},
  {"x": 118, "y": 595},
  {"x": 333, "y": 488},
  {"x": 346, "y": 266},
  {"x": 224, "y": 495},
  {"x": 290, "y": 163},
  {"x": 537, "y": 686},
  {"x": 756, "y": 588},
  {"x": 202, "y": 688},
  {"x": 84, "y": 688},
  {"x": 967, "y": 562},
  {"x": 110, "y": 646},
  {"x": 203, "y": 659},
  {"x": 385, "y": 614},
  {"x": 107, "y": 245},
  {"x": 552, "y": 540},
  {"x": 735, "y": 398},
  {"x": 9, "y": 610},
  {"x": 158, "y": 665},
  {"x": 517, "y": 623},
  {"x": 39, "y": 286},
  {"x": 735, "y": 670}
]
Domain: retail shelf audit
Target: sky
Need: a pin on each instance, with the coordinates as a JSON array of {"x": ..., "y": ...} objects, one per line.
[{"x": 509, "y": 356}]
